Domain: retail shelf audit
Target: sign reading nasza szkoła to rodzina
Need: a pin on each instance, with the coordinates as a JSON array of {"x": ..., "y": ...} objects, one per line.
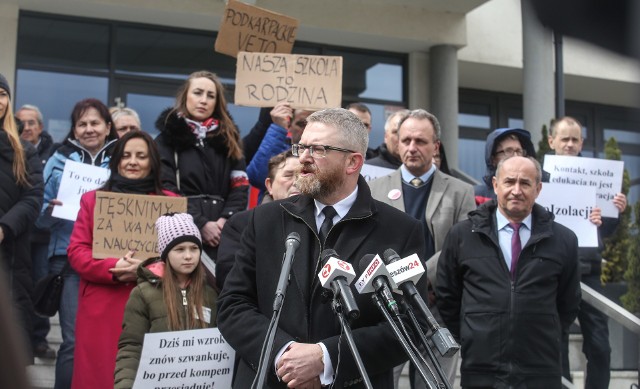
[
  {"x": 123, "y": 222},
  {"x": 303, "y": 81}
]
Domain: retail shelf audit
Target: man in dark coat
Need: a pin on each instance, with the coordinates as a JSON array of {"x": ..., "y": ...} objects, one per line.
[
  {"x": 509, "y": 286},
  {"x": 33, "y": 126},
  {"x": 308, "y": 351},
  {"x": 565, "y": 138}
]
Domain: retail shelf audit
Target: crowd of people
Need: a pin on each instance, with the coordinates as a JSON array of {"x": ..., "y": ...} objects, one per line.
[{"x": 491, "y": 253}]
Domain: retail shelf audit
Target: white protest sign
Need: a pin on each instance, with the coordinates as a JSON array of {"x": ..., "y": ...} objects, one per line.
[
  {"x": 603, "y": 174},
  {"x": 370, "y": 172},
  {"x": 185, "y": 359},
  {"x": 571, "y": 206},
  {"x": 77, "y": 179}
]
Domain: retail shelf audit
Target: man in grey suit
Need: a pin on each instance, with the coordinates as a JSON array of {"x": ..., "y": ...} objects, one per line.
[{"x": 421, "y": 190}]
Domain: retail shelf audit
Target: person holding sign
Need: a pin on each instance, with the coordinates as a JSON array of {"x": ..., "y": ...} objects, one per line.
[
  {"x": 202, "y": 157},
  {"x": 171, "y": 295},
  {"x": 90, "y": 141},
  {"x": 106, "y": 283},
  {"x": 20, "y": 199},
  {"x": 565, "y": 138}
]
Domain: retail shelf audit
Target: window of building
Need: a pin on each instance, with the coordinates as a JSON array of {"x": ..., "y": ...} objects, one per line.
[{"x": 142, "y": 66}]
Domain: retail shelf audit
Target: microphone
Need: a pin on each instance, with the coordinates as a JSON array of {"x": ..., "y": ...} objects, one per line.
[
  {"x": 405, "y": 272},
  {"x": 376, "y": 278},
  {"x": 291, "y": 244},
  {"x": 336, "y": 275}
]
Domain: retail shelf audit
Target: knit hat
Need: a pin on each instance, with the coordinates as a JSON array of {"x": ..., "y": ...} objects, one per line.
[
  {"x": 176, "y": 228},
  {"x": 4, "y": 84}
]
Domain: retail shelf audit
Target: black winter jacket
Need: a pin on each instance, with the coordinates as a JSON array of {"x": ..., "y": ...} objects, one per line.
[
  {"x": 205, "y": 168},
  {"x": 384, "y": 159},
  {"x": 19, "y": 209},
  {"x": 510, "y": 331},
  {"x": 246, "y": 302}
]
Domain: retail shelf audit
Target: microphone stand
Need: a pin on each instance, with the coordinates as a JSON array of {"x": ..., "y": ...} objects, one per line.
[
  {"x": 425, "y": 343},
  {"x": 267, "y": 346},
  {"x": 405, "y": 345},
  {"x": 346, "y": 328}
]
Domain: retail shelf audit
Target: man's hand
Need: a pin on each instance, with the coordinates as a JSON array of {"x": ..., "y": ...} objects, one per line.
[
  {"x": 52, "y": 204},
  {"x": 301, "y": 365},
  {"x": 281, "y": 115},
  {"x": 595, "y": 216},
  {"x": 620, "y": 201}
]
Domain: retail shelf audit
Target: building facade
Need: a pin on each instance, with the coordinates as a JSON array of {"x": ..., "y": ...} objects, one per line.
[{"x": 476, "y": 64}]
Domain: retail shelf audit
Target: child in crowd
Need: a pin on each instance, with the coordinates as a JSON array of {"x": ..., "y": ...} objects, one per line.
[{"x": 172, "y": 293}]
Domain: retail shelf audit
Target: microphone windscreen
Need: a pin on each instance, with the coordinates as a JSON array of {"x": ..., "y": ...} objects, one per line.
[{"x": 390, "y": 256}]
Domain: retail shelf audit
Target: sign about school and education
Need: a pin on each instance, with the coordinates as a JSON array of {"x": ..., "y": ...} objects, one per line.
[
  {"x": 303, "y": 81},
  {"x": 249, "y": 28},
  {"x": 571, "y": 206},
  {"x": 123, "y": 222},
  {"x": 185, "y": 359},
  {"x": 77, "y": 179},
  {"x": 603, "y": 174},
  {"x": 370, "y": 172}
]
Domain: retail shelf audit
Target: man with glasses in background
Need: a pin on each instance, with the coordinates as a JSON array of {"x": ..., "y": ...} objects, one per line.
[
  {"x": 334, "y": 210},
  {"x": 32, "y": 131},
  {"x": 501, "y": 144}
]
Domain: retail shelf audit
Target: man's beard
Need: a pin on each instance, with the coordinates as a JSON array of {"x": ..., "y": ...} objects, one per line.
[{"x": 320, "y": 185}]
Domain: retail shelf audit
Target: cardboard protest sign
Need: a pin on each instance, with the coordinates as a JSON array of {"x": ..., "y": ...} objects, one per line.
[
  {"x": 185, "y": 359},
  {"x": 123, "y": 222},
  {"x": 304, "y": 81},
  {"x": 77, "y": 179},
  {"x": 249, "y": 28},
  {"x": 571, "y": 206},
  {"x": 603, "y": 174}
]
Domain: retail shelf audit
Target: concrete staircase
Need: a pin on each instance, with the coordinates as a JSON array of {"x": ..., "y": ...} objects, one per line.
[{"x": 42, "y": 373}]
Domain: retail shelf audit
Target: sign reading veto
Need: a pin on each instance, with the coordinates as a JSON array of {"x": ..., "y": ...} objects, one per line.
[
  {"x": 248, "y": 28},
  {"x": 303, "y": 81},
  {"x": 123, "y": 222}
]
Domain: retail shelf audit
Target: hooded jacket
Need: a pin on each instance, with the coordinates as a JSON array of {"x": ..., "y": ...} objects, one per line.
[
  {"x": 484, "y": 191},
  {"x": 70, "y": 150},
  {"x": 205, "y": 168},
  {"x": 146, "y": 312},
  {"x": 509, "y": 329}
]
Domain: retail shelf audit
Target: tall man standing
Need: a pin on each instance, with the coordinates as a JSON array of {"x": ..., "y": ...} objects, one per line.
[
  {"x": 418, "y": 188},
  {"x": 308, "y": 350},
  {"x": 566, "y": 139},
  {"x": 509, "y": 286},
  {"x": 32, "y": 132}
]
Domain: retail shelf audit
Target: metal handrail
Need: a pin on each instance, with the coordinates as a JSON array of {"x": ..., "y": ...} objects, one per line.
[{"x": 612, "y": 310}]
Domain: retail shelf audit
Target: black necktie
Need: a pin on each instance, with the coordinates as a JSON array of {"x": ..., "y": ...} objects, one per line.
[{"x": 329, "y": 214}]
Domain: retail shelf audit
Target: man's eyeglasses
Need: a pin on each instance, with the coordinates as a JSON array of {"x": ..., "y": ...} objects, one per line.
[
  {"x": 316, "y": 151},
  {"x": 511, "y": 152},
  {"x": 127, "y": 128}
]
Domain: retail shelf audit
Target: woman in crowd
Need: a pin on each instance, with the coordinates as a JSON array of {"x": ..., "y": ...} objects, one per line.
[
  {"x": 202, "y": 156},
  {"x": 125, "y": 119},
  {"x": 106, "y": 283},
  {"x": 20, "y": 200},
  {"x": 168, "y": 288},
  {"x": 90, "y": 140}
]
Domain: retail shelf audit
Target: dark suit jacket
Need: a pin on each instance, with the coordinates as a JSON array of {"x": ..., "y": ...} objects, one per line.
[{"x": 246, "y": 302}]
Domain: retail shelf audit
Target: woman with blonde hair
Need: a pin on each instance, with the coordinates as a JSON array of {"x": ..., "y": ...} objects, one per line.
[
  {"x": 21, "y": 190},
  {"x": 202, "y": 157}
]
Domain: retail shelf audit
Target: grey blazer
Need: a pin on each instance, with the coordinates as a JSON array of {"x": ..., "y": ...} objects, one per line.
[{"x": 449, "y": 202}]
